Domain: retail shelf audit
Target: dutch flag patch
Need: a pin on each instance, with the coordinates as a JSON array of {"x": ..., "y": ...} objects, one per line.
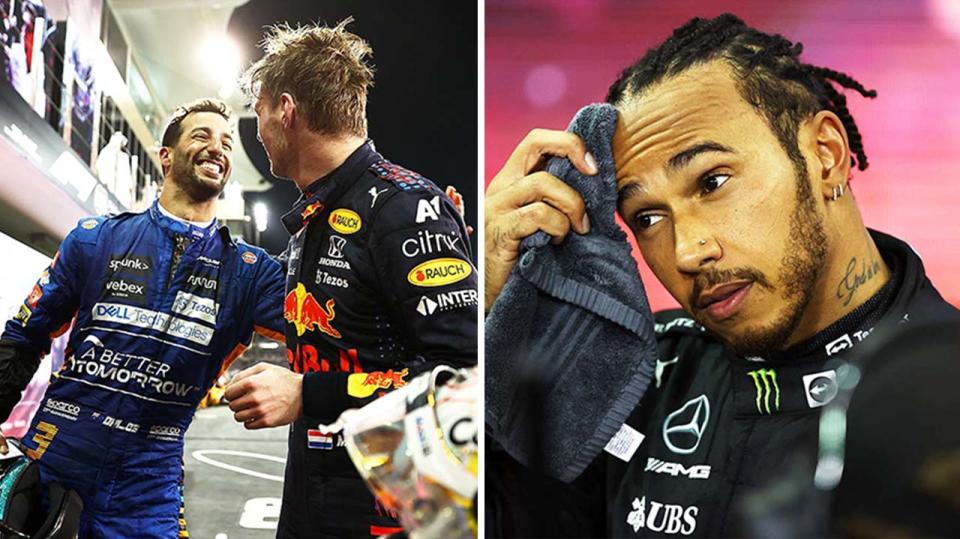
[{"x": 318, "y": 439}]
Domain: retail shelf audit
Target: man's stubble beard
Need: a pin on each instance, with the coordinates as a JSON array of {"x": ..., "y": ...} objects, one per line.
[
  {"x": 184, "y": 175},
  {"x": 806, "y": 252},
  {"x": 277, "y": 164}
]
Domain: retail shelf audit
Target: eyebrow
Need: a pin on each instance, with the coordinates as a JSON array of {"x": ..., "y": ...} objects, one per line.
[
  {"x": 209, "y": 131},
  {"x": 683, "y": 158},
  {"x": 628, "y": 191}
]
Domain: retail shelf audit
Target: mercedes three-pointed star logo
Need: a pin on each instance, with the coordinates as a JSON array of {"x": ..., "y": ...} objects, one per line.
[{"x": 683, "y": 429}]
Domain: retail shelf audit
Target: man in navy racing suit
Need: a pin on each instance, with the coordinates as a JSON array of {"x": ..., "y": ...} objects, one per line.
[
  {"x": 380, "y": 283},
  {"x": 159, "y": 303}
]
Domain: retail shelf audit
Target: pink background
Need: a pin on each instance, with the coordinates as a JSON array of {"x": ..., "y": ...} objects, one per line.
[{"x": 546, "y": 59}]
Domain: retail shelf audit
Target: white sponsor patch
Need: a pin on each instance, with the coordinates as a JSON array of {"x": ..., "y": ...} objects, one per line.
[
  {"x": 700, "y": 471},
  {"x": 446, "y": 301},
  {"x": 428, "y": 209},
  {"x": 820, "y": 388},
  {"x": 624, "y": 443},
  {"x": 196, "y": 307},
  {"x": 147, "y": 319},
  {"x": 665, "y": 518}
]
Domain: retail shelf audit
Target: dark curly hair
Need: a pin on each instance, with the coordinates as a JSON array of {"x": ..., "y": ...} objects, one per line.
[{"x": 771, "y": 76}]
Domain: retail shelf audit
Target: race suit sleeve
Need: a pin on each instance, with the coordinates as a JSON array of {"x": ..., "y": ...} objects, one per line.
[
  {"x": 45, "y": 314},
  {"x": 422, "y": 255},
  {"x": 268, "y": 305}
]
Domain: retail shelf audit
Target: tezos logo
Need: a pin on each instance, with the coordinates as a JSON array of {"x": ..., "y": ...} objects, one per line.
[
  {"x": 820, "y": 388},
  {"x": 662, "y": 517},
  {"x": 345, "y": 221},
  {"x": 439, "y": 272},
  {"x": 684, "y": 428}
]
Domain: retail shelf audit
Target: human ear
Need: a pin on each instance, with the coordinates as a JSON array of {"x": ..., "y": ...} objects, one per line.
[
  {"x": 288, "y": 107},
  {"x": 832, "y": 153}
]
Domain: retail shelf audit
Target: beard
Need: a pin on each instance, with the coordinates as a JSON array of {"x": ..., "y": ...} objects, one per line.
[
  {"x": 806, "y": 252},
  {"x": 184, "y": 174}
]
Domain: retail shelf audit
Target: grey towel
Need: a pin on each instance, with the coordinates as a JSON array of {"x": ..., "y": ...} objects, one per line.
[{"x": 570, "y": 346}]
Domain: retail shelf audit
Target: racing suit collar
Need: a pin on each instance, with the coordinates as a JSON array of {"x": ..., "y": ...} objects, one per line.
[
  {"x": 793, "y": 380},
  {"x": 329, "y": 188},
  {"x": 906, "y": 276},
  {"x": 173, "y": 226}
]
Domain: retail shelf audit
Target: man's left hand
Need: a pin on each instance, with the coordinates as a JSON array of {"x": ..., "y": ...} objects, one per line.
[{"x": 265, "y": 396}]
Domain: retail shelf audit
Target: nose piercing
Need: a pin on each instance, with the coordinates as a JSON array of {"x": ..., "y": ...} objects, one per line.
[{"x": 703, "y": 242}]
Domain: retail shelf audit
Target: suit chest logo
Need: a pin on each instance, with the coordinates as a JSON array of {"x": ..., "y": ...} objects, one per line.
[{"x": 345, "y": 221}]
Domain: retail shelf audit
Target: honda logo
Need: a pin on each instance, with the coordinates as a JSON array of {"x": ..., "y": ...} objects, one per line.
[{"x": 336, "y": 247}]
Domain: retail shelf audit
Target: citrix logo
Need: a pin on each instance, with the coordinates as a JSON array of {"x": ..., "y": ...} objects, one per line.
[
  {"x": 427, "y": 243},
  {"x": 765, "y": 381},
  {"x": 673, "y": 519}
]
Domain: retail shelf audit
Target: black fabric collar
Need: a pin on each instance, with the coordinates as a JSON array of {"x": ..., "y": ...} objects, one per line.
[
  {"x": 329, "y": 188},
  {"x": 894, "y": 299}
]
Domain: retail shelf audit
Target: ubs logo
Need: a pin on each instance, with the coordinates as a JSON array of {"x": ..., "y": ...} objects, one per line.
[{"x": 684, "y": 428}]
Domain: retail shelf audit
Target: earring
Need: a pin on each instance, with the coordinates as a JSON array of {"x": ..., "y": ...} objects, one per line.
[{"x": 837, "y": 193}]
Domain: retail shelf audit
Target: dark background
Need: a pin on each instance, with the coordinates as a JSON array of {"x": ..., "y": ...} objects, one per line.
[{"x": 422, "y": 110}]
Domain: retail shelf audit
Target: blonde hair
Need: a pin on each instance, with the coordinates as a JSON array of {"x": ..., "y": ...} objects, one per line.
[{"x": 323, "y": 68}]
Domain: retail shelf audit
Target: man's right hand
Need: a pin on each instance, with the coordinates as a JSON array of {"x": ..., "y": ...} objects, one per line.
[{"x": 522, "y": 199}]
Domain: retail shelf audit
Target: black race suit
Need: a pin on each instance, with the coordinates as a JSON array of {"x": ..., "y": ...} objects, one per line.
[
  {"x": 713, "y": 427},
  {"x": 380, "y": 286}
]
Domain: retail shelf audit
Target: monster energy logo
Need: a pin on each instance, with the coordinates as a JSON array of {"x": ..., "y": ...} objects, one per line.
[{"x": 769, "y": 379}]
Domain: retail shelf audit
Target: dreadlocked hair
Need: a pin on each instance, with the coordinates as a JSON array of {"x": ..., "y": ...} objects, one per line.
[{"x": 771, "y": 76}]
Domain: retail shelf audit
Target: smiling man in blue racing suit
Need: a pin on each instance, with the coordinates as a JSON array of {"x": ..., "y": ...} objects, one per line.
[{"x": 160, "y": 303}]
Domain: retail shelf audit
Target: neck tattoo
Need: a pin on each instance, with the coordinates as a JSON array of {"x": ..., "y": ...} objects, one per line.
[{"x": 854, "y": 279}]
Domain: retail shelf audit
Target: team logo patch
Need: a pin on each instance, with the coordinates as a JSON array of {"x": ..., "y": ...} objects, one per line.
[
  {"x": 34, "y": 296},
  {"x": 767, "y": 386},
  {"x": 684, "y": 428},
  {"x": 440, "y": 272},
  {"x": 311, "y": 209},
  {"x": 249, "y": 257},
  {"x": 318, "y": 439},
  {"x": 362, "y": 385},
  {"x": 345, "y": 221},
  {"x": 89, "y": 224},
  {"x": 301, "y": 309},
  {"x": 23, "y": 316},
  {"x": 820, "y": 388}
]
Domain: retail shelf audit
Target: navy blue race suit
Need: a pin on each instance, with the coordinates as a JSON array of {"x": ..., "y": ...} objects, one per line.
[
  {"x": 380, "y": 287},
  {"x": 158, "y": 309}
]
